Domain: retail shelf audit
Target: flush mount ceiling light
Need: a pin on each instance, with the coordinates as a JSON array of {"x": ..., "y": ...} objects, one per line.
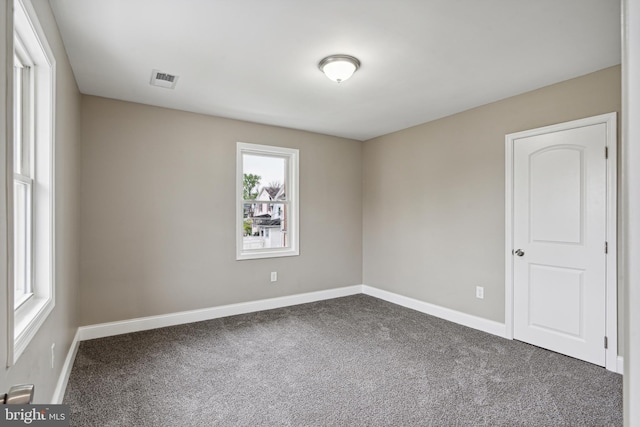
[{"x": 339, "y": 67}]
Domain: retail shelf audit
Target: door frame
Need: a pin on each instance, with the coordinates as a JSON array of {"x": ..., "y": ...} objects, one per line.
[{"x": 611, "y": 276}]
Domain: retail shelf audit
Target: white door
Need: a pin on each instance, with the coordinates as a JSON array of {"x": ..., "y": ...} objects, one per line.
[{"x": 559, "y": 235}]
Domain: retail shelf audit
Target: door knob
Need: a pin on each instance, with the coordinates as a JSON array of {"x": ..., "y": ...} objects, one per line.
[
  {"x": 519, "y": 252},
  {"x": 18, "y": 395}
]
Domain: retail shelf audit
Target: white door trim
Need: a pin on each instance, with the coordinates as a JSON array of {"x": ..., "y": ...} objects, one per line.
[{"x": 611, "y": 226}]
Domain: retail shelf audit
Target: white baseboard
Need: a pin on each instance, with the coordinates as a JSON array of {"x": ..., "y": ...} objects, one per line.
[
  {"x": 152, "y": 322},
  {"x": 465, "y": 319},
  {"x": 63, "y": 379}
]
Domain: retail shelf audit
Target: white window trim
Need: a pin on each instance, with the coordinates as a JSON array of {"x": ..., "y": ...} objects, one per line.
[
  {"x": 292, "y": 195},
  {"x": 25, "y": 321}
]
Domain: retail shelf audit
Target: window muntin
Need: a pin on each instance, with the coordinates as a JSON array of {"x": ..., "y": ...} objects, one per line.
[{"x": 267, "y": 201}]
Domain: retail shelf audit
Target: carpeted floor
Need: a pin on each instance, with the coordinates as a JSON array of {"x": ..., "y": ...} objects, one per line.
[{"x": 350, "y": 361}]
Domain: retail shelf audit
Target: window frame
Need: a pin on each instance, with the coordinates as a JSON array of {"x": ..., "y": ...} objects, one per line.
[
  {"x": 292, "y": 191},
  {"x": 37, "y": 166}
]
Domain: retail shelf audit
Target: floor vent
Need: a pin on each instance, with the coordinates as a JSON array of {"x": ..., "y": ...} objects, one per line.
[{"x": 161, "y": 79}]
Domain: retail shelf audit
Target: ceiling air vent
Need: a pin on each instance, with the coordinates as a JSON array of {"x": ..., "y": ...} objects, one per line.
[{"x": 166, "y": 80}]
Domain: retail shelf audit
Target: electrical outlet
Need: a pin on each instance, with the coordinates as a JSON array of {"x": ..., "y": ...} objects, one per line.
[
  {"x": 53, "y": 354},
  {"x": 274, "y": 276},
  {"x": 479, "y": 292}
]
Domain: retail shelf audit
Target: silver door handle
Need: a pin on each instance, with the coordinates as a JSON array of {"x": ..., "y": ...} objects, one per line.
[
  {"x": 18, "y": 395},
  {"x": 519, "y": 252}
]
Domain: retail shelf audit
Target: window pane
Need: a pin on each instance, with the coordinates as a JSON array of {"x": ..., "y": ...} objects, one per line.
[
  {"x": 264, "y": 177},
  {"x": 17, "y": 117},
  {"x": 265, "y": 226},
  {"x": 22, "y": 239}
]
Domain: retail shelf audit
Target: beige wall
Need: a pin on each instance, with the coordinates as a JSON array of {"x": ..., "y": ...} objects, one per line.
[
  {"x": 158, "y": 213},
  {"x": 434, "y": 195},
  {"x": 34, "y": 365}
]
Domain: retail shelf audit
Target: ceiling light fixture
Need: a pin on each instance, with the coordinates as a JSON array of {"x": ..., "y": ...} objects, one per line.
[{"x": 339, "y": 67}]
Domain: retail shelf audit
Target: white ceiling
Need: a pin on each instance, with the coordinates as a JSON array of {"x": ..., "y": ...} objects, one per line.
[{"x": 256, "y": 60}]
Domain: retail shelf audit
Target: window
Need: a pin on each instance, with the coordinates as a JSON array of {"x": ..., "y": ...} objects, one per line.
[
  {"x": 32, "y": 243},
  {"x": 22, "y": 176},
  {"x": 267, "y": 201}
]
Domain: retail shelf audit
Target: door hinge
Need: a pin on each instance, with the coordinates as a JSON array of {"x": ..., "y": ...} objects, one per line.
[
  {"x": 606, "y": 152},
  {"x": 606, "y": 247},
  {"x": 606, "y": 342}
]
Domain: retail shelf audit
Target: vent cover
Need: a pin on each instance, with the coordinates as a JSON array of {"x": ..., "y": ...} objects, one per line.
[{"x": 162, "y": 79}]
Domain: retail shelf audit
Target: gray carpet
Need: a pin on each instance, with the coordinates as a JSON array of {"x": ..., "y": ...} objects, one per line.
[{"x": 350, "y": 361}]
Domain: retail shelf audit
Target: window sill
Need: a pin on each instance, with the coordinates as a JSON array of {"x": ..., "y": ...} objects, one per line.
[
  {"x": 22, "y": 300},
  {"x": 27, "y": 320},
  {"x": 269, "y": 253}
]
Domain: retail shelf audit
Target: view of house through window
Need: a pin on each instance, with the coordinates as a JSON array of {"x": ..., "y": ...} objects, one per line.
[
  {"x": 267, "y": 195},
  {"x": 265, "y": 202}
]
